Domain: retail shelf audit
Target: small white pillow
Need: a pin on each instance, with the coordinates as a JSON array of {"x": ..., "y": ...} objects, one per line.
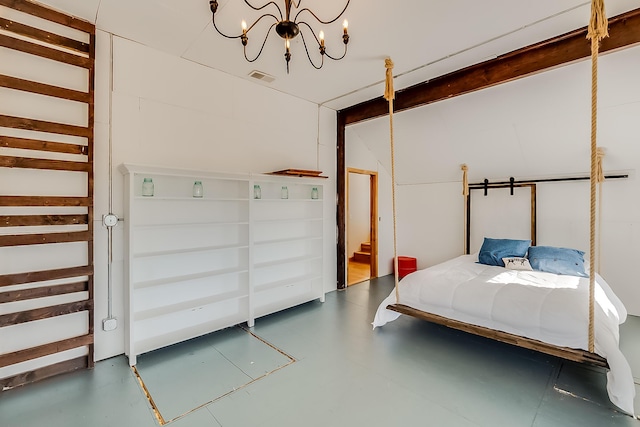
[{"x": 517, "y": 263}]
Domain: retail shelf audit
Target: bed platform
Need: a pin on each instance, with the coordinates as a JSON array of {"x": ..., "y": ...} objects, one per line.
[
  {"x": 572, "y": 354},
  {"x": 544, "y": 307},
  {"x": 537, "y": 310}
]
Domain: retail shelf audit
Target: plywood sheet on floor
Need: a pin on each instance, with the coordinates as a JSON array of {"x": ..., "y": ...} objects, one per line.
[{"x": 183, "y": 378}]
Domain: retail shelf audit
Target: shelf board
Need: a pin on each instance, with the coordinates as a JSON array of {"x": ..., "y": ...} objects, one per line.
[
  {"x": 287, "y": 261},
  {"x": 138, "y": 169},
  {"x": 291, "y": 199},
  {"x": 193, "y": 199},
  {"x": 187, "y": 277},
  {"x": 190, "y": 224},
  {"x": 188, "y": 305},
  {"x": 266, "y": 309},
  {"x": 284, "y": 221},
  {"x": 299, "y": 173},
  {"x": 285, "y": 282},
  {"x": 188, "y": 250},
  {"x": 147, "y": 344},
  {"x": 293, "y": 239}
]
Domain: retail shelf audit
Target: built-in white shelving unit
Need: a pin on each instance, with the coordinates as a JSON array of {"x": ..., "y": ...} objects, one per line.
[
  {"x": 287, "y": 243},
  {"x": 196, "y": 265}
]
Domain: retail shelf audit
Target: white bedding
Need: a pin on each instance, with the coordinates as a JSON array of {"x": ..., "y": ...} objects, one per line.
[{"x": 543, "y": 306}]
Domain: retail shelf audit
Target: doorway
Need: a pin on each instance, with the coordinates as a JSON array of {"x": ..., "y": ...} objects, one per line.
[{"x": 361, "y": 225}]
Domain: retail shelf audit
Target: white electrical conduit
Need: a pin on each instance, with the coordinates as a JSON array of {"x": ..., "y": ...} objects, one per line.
[{"x": 110, "y": 229}]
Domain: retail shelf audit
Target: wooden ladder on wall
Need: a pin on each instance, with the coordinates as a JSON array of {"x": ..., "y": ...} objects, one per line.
[{"x": 46, "y": 193}]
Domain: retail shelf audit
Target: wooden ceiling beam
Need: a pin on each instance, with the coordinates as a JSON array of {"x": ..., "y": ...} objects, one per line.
[{"x": 624, "y": 31}]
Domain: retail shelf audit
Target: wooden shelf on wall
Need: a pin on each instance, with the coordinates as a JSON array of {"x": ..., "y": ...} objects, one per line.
[{"x": 300, "y": 173}]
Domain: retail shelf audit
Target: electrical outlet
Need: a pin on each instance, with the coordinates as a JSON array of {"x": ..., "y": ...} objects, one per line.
[{"x": 109, "y": 324}]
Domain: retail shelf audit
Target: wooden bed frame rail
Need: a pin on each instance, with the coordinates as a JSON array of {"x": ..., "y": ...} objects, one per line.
[{"x": 575, "y": 355}]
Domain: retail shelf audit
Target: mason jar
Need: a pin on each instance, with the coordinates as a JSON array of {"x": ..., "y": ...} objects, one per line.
[
  {"x": 147, "y": 187},
  {"x": 198, "y": 191}
]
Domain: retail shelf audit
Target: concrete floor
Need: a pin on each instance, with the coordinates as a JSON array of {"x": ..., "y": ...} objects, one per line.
[{"x": 323, "y": 365}]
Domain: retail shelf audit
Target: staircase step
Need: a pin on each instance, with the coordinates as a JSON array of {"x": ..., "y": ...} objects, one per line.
[
  {"x": 359, "y": 256},
  {"x": 365, "y": 247}
]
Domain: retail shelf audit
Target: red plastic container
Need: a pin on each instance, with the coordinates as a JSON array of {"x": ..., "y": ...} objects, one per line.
[{"x": 406, "y": 265}]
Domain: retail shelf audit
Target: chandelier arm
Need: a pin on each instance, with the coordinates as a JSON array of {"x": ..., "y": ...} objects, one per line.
[
  {"x": 340, "y": 57},
  {"x": 265, "y": 5},
  {"x": 259, "y": 19},
  {"x": 249, "y": 29},
  {"x": 316, "y": 16},
  {"x": 213, "y": 19},
  {"x": 306, "y": 24},
  {"x": 266, "y": 36},
  {"x": 304, "y": 43},
  {"x": 301, "y": 23}
]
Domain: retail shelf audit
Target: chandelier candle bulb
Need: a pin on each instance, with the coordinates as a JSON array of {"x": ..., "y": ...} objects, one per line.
[
  {"x": 323, "y": 50},
  {"x": 243, "y": 37},
  {"x": 287, "y": 54},
  {"x": 345, "y": 26}
]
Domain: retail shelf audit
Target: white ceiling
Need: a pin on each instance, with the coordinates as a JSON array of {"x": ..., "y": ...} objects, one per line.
[{"x": 425, "y": 39}]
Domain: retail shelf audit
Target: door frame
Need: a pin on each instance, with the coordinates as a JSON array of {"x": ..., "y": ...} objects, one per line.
[{"x": 373, "y": 216}]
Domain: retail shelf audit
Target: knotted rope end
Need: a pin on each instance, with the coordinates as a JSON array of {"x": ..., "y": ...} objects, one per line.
[
  {"x": 600, "y": 153},
  {"x": 598, "y": 24},
  {"x": 465, "y": 180},
  {"x": 389, "y": 93}
]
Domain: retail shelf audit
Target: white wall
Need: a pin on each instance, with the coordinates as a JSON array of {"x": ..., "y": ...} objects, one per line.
[
  {"x": 537, "y": 127},
  {"x": 166, "y": 111},
  {"x": 359, "y": 211}
]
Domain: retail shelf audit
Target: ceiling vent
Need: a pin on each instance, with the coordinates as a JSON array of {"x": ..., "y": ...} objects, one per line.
[{"x": 261, "y": 76}]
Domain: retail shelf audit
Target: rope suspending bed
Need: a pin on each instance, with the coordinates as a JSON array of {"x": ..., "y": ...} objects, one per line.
[{"x": 597, "y": 30}]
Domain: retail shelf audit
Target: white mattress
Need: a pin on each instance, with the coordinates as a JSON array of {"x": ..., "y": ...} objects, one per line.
[{"x": 543, "y": 306}]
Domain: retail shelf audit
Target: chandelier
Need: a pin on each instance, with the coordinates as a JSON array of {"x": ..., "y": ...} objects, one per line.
[{"x": 288, "y": 29}]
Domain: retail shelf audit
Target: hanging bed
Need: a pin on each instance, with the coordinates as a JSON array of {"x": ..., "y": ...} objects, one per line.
[
  {"x": 538, "y": 310},
  {"x": 538, "y": 297},
  {"x": 522, "y": 294}
]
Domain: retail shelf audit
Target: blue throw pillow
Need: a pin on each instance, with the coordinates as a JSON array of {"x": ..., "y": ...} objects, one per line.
[
  {"x": 493, "y": 250},
  {"x": 557, "y": 260}
]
